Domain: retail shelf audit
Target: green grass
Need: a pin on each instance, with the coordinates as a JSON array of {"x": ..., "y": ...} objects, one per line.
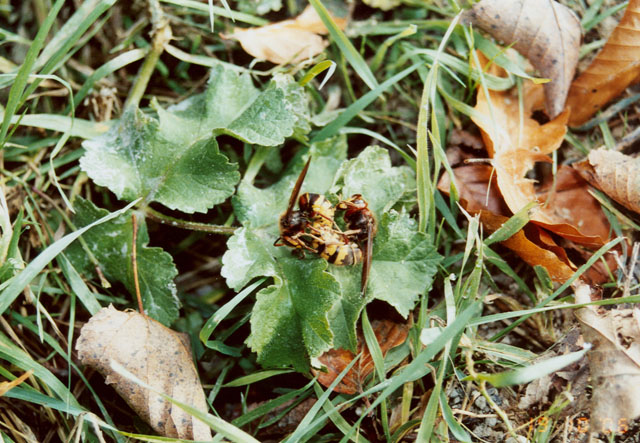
[{"x": 404, "y": 79}]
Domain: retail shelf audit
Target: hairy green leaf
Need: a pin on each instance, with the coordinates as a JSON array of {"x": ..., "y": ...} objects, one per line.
[
  {"x": 232, "y": 105},
  {"x": 111, "y": 244},
  {"x": 289, "y": 320},
  {"x": 134, "y": 159},
  {"x": 175, "y": 160}
]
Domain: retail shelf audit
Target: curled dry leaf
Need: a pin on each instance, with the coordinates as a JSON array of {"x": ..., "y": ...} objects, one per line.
[
  {"x": 530, "y": 252},
  {"x": 479, "y": 194},
  {"x": 615, "y": 67},
  {"x": 544, "y": 31},
  {"x": 516, "y": 143},
  {"x": 389, "y": 335},
  {"x": 614, "y": 363},
  {"x": 288, "y": 41},
  {"x": 155, "y": 354},
  {"x": 615, "y": 174}
]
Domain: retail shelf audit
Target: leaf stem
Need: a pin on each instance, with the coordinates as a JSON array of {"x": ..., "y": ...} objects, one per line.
[
  {"x": 134, "y": 262},
  {"x": 161, "y": 36},
  {"x": 185, "y": 224},
  {"x": 256, "y": 162}
]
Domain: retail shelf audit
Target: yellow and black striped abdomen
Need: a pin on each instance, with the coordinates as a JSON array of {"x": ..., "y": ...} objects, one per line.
[
  {"x": 317, "y": 208},
  {"x": 344, "y": 254}
]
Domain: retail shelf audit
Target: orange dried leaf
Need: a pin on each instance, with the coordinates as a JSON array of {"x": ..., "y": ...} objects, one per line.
[
  {"x": 527, "y": 250},
  {"x": 158, "y": 356},
  {"x": 516, "y": 143},
  {"x": 288, "y": 41},
  {"x": 476, "y": 186},
  {"x": 544, "y": 31},
  {"x": 570, "y": 202},
  {"x": 615, "y": 67},
  {"x": 388, "y": 334},
  {"x": 616, "y": 174}
]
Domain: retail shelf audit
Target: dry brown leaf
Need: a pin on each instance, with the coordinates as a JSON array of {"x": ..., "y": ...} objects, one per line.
[
  {"x": 616, "y": 174},
  {"x": 615, "y": 67},
  {"x": 614, "y": 362},
  {"x": 516, "y": 144},
  {"x": 476, "y": 188},
  {"x": 6, "y": 386},
  {"x": 527, "y": 250},
  {"x": 158, "y": 356},
  {"x": 544, "y": 31},
  {"x": 288, "y": 41},
  {"x": 389, "y": 335}
]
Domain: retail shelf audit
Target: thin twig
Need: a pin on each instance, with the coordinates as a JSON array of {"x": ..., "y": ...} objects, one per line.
[
  {"x": 161, "y": 36},
  {"x": 134, "y": 261},
  {"x": 185, "y": 224}
]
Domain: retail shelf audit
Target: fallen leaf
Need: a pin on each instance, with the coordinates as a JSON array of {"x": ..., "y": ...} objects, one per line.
[
  {"x": 288, "y": 41},
  {"x": 545, "y": 32},
  {"x": 475, "y": 183},
  {"x": 157, "y": 355},
  {"x": 528, "y": 251},
  {"x": 6, "y": 386},
  {"x": 615, "y": 67},
  {"x": 389, "y": 335},
  {"x": 614, "y": 362},
  {"x": 516, "y": 143},
  {"x": 615, "y": 174}
]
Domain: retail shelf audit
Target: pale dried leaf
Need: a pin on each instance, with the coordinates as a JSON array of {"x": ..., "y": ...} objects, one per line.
[
  {"x": 544, "y": 31},
  {"x": 615, "y": 174},
  {"x": 288, "y": 41},
  {"x": 615, "y": 67},
  {"x": 158, "y": 356},
  {"x": 614, "y": 363}
]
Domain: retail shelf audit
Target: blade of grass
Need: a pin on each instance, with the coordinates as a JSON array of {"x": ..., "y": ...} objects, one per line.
[
  {"x": 346, "y": 47},
  {"x": 222, "y": 313},
  {"x": 345, "y": 117},
  {"x": 20, "y": 82},
  {"x": 532, "y": 372},
  {"x": 20, "y": 281},
  {"x": 418, "y": 367},
  {"x": 221, "y": 12}
]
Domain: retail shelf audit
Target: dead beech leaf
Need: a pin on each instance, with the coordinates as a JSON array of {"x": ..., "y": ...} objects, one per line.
[
  {"x": 571, "y": 202},
  {"x": 389, "y": 335},
  {"x": 155, "y": 354},
  {"x": 616, "y": 174},
  {"x": 516, "y": 144},
  {"x": 615, "y": 67},
  {"x": 614, "y": 362},
  {"x": 288, "y": 41},
  {"x": 528, "y": 251},
  {"x": 544, "y": 31}
]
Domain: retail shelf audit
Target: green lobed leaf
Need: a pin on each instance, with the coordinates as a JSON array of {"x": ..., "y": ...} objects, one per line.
[
  {"x": 111, "y": 244},
  {"x": 372, "y": 175},
  {"x": 289, "y": 320},
  {"x": 175, "y": 160},
  {"x": 403, "y": 264},
  {"x": 232, "y": 105},
  {"x": 134, "y": 159}
]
